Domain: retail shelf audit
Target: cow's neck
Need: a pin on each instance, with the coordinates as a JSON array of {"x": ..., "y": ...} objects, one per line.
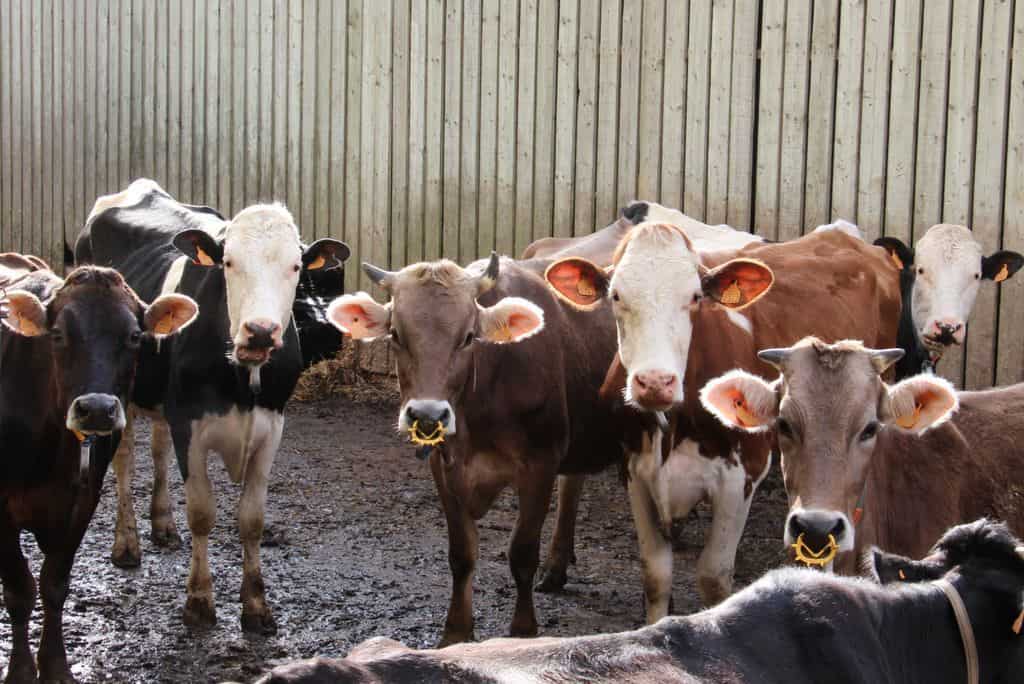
[{"x": 920, "y": 635}]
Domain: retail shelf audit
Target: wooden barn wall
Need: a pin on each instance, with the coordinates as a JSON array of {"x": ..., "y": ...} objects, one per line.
[{"x": 416, "y": 129}]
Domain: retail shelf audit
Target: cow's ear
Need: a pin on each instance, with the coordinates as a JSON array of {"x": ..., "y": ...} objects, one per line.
[
  {"x": 325, "y": 254},
  {"x": 741, "y": 400},
  {"x": 360, "y": 316},
  {"x": 579, "y": 282},
  {"x": 169, "y": 313},
  {"x": 919, "y": 403},
  {"x": 1001, "y": 265},
  {"x": 24, "y": 314},
  {"x": 199, "y": 246},
  {"x": 888, "y": 568},
  {"x": 901, "y": 255},
  {"x": 510, "y": 320},
  {"x": 737, "y": 283}
]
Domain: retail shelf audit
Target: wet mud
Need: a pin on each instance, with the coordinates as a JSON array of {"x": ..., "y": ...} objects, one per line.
[{"x": 355, "y": 547}]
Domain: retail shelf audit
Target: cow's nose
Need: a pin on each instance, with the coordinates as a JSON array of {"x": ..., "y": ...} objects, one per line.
[
  {"x": 656, "y": 388},
  {"x": 817, "y": 526},
  {"x": 261, "y": 334},
  {"x": 948, "y": 330},
  {"x": 428, "y": 414},
  {"x": 95, "y": 413}
]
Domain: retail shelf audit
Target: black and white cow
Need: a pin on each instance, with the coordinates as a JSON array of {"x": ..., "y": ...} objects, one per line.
[
  {"x": 223, "y": 384},
  {"x": 939, "y": 281}
]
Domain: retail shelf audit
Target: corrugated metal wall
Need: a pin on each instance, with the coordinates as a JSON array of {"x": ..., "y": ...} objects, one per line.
[{"x": 417, "y": 128}]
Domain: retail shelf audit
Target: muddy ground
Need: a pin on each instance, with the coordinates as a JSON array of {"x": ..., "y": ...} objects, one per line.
[{"x": 355, "y": 547}]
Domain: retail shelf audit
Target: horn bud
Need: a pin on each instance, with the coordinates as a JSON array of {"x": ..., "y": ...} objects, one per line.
[
  {"x": 489, "y": 277},
  {"x": 378, "y": 275}
]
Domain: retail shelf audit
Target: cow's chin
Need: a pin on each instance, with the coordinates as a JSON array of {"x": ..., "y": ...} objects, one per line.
[{"x": 250, "y": 357}]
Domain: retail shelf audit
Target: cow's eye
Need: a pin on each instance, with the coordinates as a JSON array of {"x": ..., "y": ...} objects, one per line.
[
  {"x": 977, "y": 276},
  {"x": 227, "y": 263},
  {"x": 920, "y": 271},
  {"x": 297, "y": 267},
  {"x": 615, "y": 296},
  {"x": 468, "y": 340},
  {"x": 394, "y": 337},
  {"x": 784, "y": 428},
  {"x": 57, "y": 337},
  {"x": 869, "y": 431},
  {"x": 697, "y": 296}
]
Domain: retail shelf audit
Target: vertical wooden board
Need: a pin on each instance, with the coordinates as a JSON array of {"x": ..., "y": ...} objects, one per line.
[
  {"x": 399, "y": 193},
  {"x": 42, "y": 173},
  {"x": 961, "y": 112},
  {"x": 1010, "y": 367},
  {"x": 695, "y": 177},
  {"x": 135, "y": 91},
  {"x": 17, "y": 123},
  {"x": 185, "y": 94},
  {"x": 162, "y": 102},
  {"x": 89, "y": 122},
  {"x": 75, "y": 187},
  {"x": 58, "y": 50},
  {"x": 113, "y": 72},
  {"x": 649, "y": 132},
  {"x": 213, "y": 99},
  {"x": 147, "y": 86},
  {"x": 6, "y": 137},
  {"x": 742, "y": 134},
  {"x": 794, "y": 119},
  {"x": 225, "y": 151},
  {"x": 293, "y": 89},
  {"x": 820, "y": 112},
  {"x": 565, "y": 118},
  {"x": 264, "y": 190},
  {"x": 719, "y": 103},
  {"x": 874, "y": 108},
  {"x": 417, "y": 84},
  {"x": 279, "y": 111},
  {"x": 303, "y": 205},
  {"x": 489, "y": 84},
  {"x": 366, "y": 133},
  {"x": 452, "y": 128},
  {"x": 903, "y": 107},
  {"x": 544, "y": 118},
  {"x": 769, "y": 118},
  {"x": 673, "y": 111},
  {"x": 525, "y": 124},
  {"x": 382, "y": 137},
  {"x": 434, "y": 187},
  {"x": 849, "y": 83},
  {"x": 197, "y": 161},
  {"x": 469, "y": 134},
  {"x": 125, "y": 83},
  {"x": 70, "y": 137},
  {"x": 240, "y": 106},
  {"x": 585, "y": 168},
  {"x": 988, "y": 179},
  {"x": 629, "y": 101},
  {"x": 174, "y": 65},
  {"x": 353, "y": 150},
  {"x": 505, "y": 229},
  {"x": 606, "y": 203}
]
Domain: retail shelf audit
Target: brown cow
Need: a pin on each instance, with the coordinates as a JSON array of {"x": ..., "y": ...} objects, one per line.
[
  {"x": 685, "y": 317},
  {"x": 901, "y": 456}
]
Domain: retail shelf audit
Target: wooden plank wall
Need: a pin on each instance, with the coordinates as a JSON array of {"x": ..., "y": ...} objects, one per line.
[{"x": 415, "y": 129}]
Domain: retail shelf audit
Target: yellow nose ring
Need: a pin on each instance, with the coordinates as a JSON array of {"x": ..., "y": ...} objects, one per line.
[
  {"x": 821, "y": 558},
  {"x": 433, "y": 439}
]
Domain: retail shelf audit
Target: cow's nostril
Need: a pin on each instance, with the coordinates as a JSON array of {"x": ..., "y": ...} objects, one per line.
[
  {"x": 838, "y": 529},
  {"x": 443, "y": 418}
]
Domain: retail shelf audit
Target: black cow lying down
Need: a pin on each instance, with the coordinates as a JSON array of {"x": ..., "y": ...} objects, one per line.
[{"x": 792, "y": 625}]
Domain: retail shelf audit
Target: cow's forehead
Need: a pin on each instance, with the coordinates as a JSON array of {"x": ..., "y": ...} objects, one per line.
[
  {"x": 822, "y": 376},
  {"x": 947, "y": 244},
  {"x": 655, "y": 253},
  {"x": 263, "y": 223}
]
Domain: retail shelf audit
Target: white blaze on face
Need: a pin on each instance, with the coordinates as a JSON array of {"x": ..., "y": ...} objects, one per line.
[
  {"x": 652, "y": 291},
  {"x": 262, "y": 261},
  {"x": 948, "y": 273}
]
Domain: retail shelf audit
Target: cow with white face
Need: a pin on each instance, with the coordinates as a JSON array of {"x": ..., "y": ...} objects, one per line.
[
  {"x": 685, "y": 316},
  {"x": 222, "y": 385},
  {"x": 940, "y": 279}
]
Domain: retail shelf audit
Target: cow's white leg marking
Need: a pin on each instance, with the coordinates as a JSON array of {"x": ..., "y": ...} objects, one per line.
[
  {"x": 202, "y": 511},
  {"x": 163, "y": 530},
  {"x": 126, "y": 552},
  {"x": 265, "y": 437},
  {"x": 655, "y": 550}
]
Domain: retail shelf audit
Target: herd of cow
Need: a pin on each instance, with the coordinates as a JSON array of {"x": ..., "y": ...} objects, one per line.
[{"x": 686, "y": 353}]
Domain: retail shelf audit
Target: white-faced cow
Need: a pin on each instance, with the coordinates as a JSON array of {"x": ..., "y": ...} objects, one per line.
[
  {"x": 684, "y": 317},
  {"x": 222, "y": 385},
  {"x": 493, "y": 363},
  {"x": 68, "y": 352},
  {"x": 939, "y": 280},
  {"x": 867, "y": 463},
  {"x": 130, "y": 214},
  {"x": 792, "y": 625}
]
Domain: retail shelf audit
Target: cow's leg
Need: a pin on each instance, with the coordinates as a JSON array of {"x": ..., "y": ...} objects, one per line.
[
  {"x": 256, "y": 614},
  {"x": 202, "y": 510},
  {"x": 19, "y": 597},
  {"x": 54, "y": 582},
  {"x": 126, "y": 552},
  {"x": 463, "y": 549},
  {"x": 729, "y": 509},
  {"x": 163, "y": 531},
  {"x": 655, "y": 550},
  {"x": 560, "y": 553},
  {"x": 534, "y": 489}
]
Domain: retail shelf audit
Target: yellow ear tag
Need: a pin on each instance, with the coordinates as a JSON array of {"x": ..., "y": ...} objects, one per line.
[
  {"x": 732, "y": 295},
  {"x": 743, "y": 415},
  {"x": 585, "y": 287},
  {"x": 316, "y": 263},
  {"x": 165, "y": 325},
  {"x": 26, "y": 325},
  {"x": 202, "y": 257},
  {"x": 903, "y": 575},
  {"x": 1003, "y": 274},
  {"x": 502, "y": 334},
  {"x": 79, "y": 435},
  {"x": 896, "y": 260},
  {"x": 1018, "y": 623},
  {"x": 908, "y": 422}
]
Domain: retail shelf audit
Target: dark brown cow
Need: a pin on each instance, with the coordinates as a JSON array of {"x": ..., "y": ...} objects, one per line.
[
  {"x": 903, "y": 454},
  {"x": 510, "y": 414},
  {"x": 66, "y": 370},
  {"x": 685, "y": 317}
]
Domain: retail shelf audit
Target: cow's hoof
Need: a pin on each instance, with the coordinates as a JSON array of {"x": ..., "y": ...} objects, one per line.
[
  {"x": 455, "y": 637},
  {"x": 21, "y": 674},
  {"x": 199, "y": 612},
  {"x": 61, "y": 679},
  {"x": 553, "y": 581},
  {"x": 166, "y": 537},
  {"x": 523, "y": 630},
  {"x": 259, "y": 623},
  {"x": 126, "y": 556}
]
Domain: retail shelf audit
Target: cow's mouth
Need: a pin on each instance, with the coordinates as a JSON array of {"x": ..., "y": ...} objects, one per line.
[
  {"x": 252, "y": 356},
  {"x": 938, "y": 343}
]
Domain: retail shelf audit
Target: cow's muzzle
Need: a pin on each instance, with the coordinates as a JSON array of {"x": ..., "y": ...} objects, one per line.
[
  {"x": 95, "y": 414},
  {"x": 427, "y": 421},
  {"x": 816, "y": 536},
  {"x": 257, "y": 341},
  {"x": 944, "y": 333},
  {"x": 655, "y": 390}
]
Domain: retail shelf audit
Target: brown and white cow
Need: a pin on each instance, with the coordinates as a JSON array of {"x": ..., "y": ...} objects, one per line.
[
  {"x": 684, "y": 317},
  {"x": 492, "y": 360},
  {"x": 940, "y": 279},
  {"x": 903, "y": 459}
]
